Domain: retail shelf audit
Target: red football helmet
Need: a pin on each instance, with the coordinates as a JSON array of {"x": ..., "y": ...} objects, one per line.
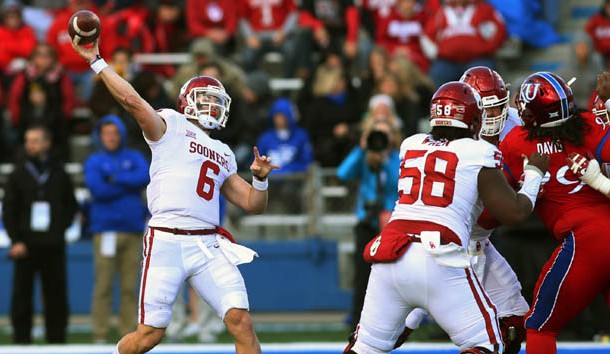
[
  {"x": 456, "y": 104},
  {"x": 204, "y": 98},
  {"x": 600, "y": 110},
  {"x": 494, "y": 93},
  {"x": 545, "y": 100}
]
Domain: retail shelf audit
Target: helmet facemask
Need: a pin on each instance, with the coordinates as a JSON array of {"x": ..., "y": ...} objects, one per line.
[
  {"x": 600, "y": 111},
  {"x": 492, "y": 125},
  {"x": 209, "y": 106}
]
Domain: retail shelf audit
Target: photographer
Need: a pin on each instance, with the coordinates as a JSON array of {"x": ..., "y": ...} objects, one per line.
[{"x": 375, "y": 164}]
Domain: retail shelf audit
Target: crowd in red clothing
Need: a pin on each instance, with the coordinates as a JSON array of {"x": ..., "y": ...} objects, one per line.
[{"x": 420, "y": 44}]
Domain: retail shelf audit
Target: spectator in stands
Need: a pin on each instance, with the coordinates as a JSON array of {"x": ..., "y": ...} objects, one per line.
[
  {"x": 215, "y": 20},
  {"x": 257, "y": 98},
  {"x": 375, "y": 164},
  {"x": 392, "y": 85},
  {"x": 377, "y": 67},
  {"x": 127, "y": 28},
  {"x": 460, "y": 35},
  {"x": 43, "y": 94},
  {"x": 381, "y": 109},
  {"x": 38, "y": 207},
  {"x": 17, "y": 40},
  {"x": 332, "y": 27},
  {"x": 169, "y": 33},
  {"x": 59, "y": 39},
  {"x": 523, "y": 22},
  {"x": 291, "y": 146},
  {"x": 417, "y": 89},
  {"x": 203, "y": 53},
  {"x": 267, "y": 27},
  {"x": 116, "y": 177},
  {"x": 400, "y": 32},
  {"x": 598, "y": 28},
  {"x": 330, "y": 111},
  {"x": 584, "y": 65},
  {"x": 101, "y": 102}
]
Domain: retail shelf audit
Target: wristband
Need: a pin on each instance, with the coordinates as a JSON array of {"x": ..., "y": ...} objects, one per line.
[
  {"x": 260, "y": 185},
  {"x": 98, "y": 65},
  {"x": 531, "y": 185}
]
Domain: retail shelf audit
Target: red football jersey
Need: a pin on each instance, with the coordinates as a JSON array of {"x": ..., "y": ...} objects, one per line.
[
  {"x": 267, "y": 15},
  {"x": 566, "y": 201}
]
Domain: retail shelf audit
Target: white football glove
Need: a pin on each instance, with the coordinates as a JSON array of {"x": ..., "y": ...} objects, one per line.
[{"x": 589, "y": 172}]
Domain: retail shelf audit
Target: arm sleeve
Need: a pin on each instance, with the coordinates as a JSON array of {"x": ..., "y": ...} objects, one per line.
[{"x": 349, "y": 169}]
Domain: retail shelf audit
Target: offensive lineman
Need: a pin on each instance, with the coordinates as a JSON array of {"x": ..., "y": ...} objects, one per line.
[
  {"x": 189, "y": 171},
  {"x": 420, "y": 259},
  {"x": 499, "y": 280}
]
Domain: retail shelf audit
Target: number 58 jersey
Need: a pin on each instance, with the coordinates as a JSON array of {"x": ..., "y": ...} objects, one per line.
[
  {"x": 186, "y": 173},
  {"x": 438, "y": 181}
]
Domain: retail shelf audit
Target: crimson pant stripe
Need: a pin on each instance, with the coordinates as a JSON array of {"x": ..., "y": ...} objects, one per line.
[
  {"x": 484, "y": 311},
  {"x": 545, "y": 299},
  {"x": 145, "y": 273}
]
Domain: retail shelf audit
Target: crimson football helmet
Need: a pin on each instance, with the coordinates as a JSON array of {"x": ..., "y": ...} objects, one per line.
[
  {"x": 494, "y": 93},
  {"x": 456, "y": 104},
  {"x": 600, "y": 110},
  {"x": 205, "y": 99},
  {"x": 545, "y": 100}
]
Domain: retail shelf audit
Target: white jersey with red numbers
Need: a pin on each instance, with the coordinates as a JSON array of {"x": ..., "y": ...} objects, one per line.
[
  {"x": 429, "y": 173},
  {"x": 186, "y": 173}
]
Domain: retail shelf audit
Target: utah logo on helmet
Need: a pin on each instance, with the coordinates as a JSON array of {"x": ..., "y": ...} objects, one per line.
[{"x": 205, "y": 99}]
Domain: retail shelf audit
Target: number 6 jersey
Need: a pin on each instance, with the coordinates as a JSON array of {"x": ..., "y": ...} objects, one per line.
[
  {"x": 438, "y": 181},
  {"x": 186, "y": 173}
]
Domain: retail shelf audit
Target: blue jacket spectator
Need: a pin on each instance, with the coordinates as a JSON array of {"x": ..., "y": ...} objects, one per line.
[
  {"x": 355, "y": 167},
  {"x": 285, "y": 142},
  {"x": 523, "y": 20},
  {"x": 116, "y": 179},
  {"x": 375, "y": 164}
]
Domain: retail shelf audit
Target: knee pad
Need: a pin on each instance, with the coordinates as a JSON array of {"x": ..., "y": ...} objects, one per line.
[
  {"x": 513, "y": 333},
  {"x": 478, "y": 350},
  {"x": 403, "y": 337}
]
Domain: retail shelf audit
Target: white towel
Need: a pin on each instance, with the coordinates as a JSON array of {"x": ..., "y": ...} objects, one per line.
[{"x": 236, "y": 254}]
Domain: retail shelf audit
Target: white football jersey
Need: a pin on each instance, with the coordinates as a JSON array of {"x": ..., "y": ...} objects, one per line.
[
  {"x": 513, "y": 120},
  {"x": 438, "y": 181},
  {"x": 186, "y": 173}
]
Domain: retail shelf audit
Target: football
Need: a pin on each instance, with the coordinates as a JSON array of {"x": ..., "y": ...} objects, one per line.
[{"x": 85, "y": 26}]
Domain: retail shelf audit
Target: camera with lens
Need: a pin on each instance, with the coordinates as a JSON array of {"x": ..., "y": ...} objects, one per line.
[{"x": 377, "y": 141}]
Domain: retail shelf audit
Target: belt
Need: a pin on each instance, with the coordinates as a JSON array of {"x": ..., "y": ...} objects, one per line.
[
  {"x": 176, "y": 231},
  {"x": 417, "y": 239}
]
